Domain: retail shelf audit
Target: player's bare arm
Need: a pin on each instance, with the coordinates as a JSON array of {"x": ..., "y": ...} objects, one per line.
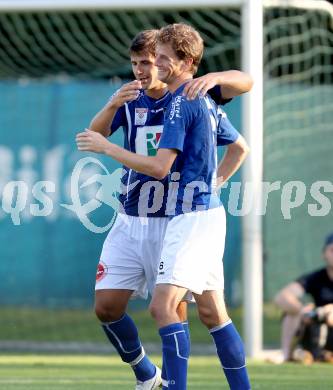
[
  {"x": 232, "y": 83},
  {"x": 232, "y": 160},
  {"x": 289, "y": 298},
  {"x": 102, "y": 121},
  {"x": 156, "y": 166}
]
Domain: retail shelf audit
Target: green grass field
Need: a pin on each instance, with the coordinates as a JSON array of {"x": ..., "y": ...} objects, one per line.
[
  {"x": 53, "y": 372},
  {"x": 108, "y": 373}
]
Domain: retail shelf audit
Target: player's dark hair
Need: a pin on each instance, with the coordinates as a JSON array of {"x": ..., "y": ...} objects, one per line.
[
  {"x": 185, "y": 41},
  {"x": 144, "y": 42}
]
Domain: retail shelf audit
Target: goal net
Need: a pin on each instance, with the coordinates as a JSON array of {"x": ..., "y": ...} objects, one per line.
[
  {"x": 298, "y": 137},
  {"x": 94, "y": 44}
]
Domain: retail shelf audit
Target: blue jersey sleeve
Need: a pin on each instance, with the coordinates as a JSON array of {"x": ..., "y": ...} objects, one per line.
[
  {"x": 176, "y": 123},
  {"x": 118, "y": 120},
  {"x": 216, "y": 95},
  {"x": 226, "y": 133}
]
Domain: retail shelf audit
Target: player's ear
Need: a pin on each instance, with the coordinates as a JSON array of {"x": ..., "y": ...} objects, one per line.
[{"x": 187, "y": 64}]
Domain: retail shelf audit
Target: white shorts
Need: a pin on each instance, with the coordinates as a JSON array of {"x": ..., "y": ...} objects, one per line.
[
  {"x": 131, "y": 254},
  {"x": 193, "y": 250}
]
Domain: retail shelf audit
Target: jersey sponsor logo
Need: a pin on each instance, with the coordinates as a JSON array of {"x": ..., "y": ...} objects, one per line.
[
  {"x": 157, "y": 110},
  {"x": 101, "y": 271},
  {"x": 147, "y": 140},
  {"x": 175, "y": 109},
  {"x": 140, "y": 116},
  {"x": 153, "y": 139}
]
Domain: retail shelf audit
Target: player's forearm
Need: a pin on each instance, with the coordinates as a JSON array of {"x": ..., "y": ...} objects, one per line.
[
  {"x": 233, "y": 159},
  {"x": 288, "y": 303},
  {"x": 233, "y": 83},
  {"x": 228, "y": 166},
  {"x": 149, "y": 166},
  {"x": 102, "y": 121}
]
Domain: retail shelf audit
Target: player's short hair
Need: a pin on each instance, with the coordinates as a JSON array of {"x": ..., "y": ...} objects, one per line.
[
  {"x": 144, "y": 42},
  {"x": 185, "y": 41}
]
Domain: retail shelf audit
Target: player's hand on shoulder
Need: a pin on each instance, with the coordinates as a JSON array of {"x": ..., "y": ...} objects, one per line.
[
  {"x": 128, "y": 92},
  {"x": 91, "y": 141},
  {"x": 200, "y": 86}
]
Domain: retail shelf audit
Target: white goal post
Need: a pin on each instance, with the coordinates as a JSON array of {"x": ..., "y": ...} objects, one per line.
[{"x": 252, "y": 121}]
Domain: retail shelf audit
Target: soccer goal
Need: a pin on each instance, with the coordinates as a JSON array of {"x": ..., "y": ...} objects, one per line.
[{"x": 287, "y": 47}]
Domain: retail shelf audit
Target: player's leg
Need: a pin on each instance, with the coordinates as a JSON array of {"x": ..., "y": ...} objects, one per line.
[
  {"x": 329, "y": 342},
  {"x": 289, "y": 325},
  {"x": 229, "y": 345},
  {"x": 119, "y": 276},
  {"x": 182, "y": 314},
  {"x": 110, "y": 308},
  {"x": 175, "y": 347},
  {"x": 111, "y": 304},
  {"x": 153, "y": 233},
  {"x": 329, "y": 315},
  {"x": 328, "y": 355},
  {"x": 181, "y": 265},
  {"x": 210, "y": 301}
]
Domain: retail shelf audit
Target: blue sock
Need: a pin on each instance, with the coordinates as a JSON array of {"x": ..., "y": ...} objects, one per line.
[
  {"x": 230, "y": 350},
  {"x": 123, "y": 335},
  {"x": 175, "y": 355},
  {"x": 188, "y": 336},
  {"x": 164, "y": 375}
]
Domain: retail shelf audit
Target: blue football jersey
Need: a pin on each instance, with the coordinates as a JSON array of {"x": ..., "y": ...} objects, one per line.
[
  {"x": 142, "y": 121},
  {"x": 194, "y": 128}
]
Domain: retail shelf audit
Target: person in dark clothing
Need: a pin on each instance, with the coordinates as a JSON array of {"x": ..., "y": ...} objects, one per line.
[{"x": 307, "y": 329}]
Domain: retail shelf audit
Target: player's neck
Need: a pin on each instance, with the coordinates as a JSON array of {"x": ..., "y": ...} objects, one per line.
[
  {"x": 178, "y": 81},
  {"x": 158, "y": 92}
]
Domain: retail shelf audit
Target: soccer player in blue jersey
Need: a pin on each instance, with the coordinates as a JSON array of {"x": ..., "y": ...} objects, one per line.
[{"x": 131, "y": 252}]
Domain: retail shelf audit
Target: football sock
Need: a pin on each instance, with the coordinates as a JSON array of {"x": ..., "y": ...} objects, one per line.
[
  {"x": 164, "y": 375},
  {"x": 175, "y": 355},
  {"x": 188, "y": 335},
  {"x": 123, "y": 335},
  {"x": 230, "y": 350}
]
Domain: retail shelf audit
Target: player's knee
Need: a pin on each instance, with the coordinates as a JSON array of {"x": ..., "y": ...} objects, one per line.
[
  {"x": 182, "y": 311},
  {"x": 210, "y": 318},
  {"x": 109, "y": 312},
  {"x": 160, "y": 310},
  {"x": 156, "y": 310}
]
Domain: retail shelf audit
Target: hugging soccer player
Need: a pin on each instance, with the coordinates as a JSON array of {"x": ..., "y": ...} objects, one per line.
[{"x": 132, "y": 250}]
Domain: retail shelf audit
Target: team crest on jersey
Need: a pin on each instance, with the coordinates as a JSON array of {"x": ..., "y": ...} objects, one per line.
[
  {"x": 101, "y": 271},
  {"x": 148, "y": 139},
  {"x": 140, "y": 117}
]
